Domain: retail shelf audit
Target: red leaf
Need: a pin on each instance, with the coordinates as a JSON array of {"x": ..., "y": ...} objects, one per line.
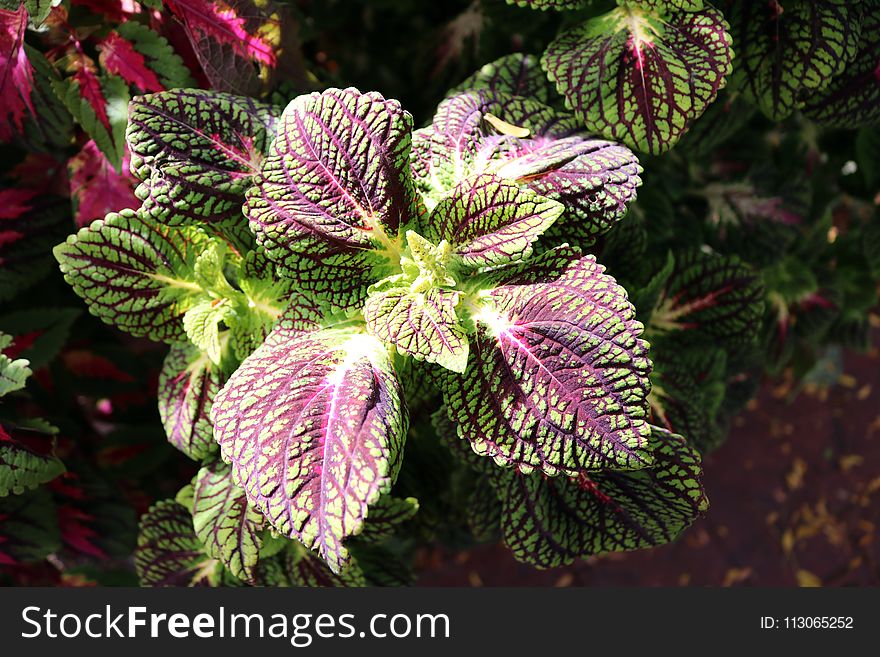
[
  {"x": 90, "y": 86},
  {"x": 76, "y": 533},
  {"x": 86, "y": 364},
  {"x": 96, "y": 187},
  {"x": 42, "y": 172},
  {"x": 16, "y": 74},
  {"x": 250, "y": 30},
  {"x": 119, "y": 57},
  {"x": 15, "y": 202}
]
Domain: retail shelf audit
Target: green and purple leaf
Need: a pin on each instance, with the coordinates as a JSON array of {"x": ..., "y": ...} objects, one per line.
[
  {"x": 558, "y": 377},
  {"x": 423, "y": 325},
  {"x": 852, "y": 98},
  {"x": 544, "y": 5},
  {"x": 135, "y": 274},
  {"x": 489, "y": 221},
  {"x": 639, "y": 77},
  {"x": 27, "y": 457},
  {"x": 188, "y": 383},
  {"x": 313, "y": 426},
  {"x": 168, "y": 551},
  {"x": 386, "y": 515},
  {"x": 711, "y": 298},
  {"x": 526, "y": 142},
  {"x": 786, "y": 54},
  {"x": 304, "y": 568},
  {"x": 335, "y": 190},
  {"x": 228, "y": 527},
  {"x": 549, "y": 522},
  {"x": 517, "y": 74},
  {"x": 196, "y": 152}
]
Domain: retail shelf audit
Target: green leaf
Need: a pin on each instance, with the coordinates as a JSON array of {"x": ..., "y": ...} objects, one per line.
[
  {"x": 13, "y": 373},
  {"x": 202, "y": 325},
  {"x": 423, "y": 325},
  {"x": 135, "y": 274},
  {"x": 225, "y": 523},
  {"x": 639, "y": 77}
]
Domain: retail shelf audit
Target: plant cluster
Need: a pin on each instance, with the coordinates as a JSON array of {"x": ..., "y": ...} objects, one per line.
[{"x": 380, "y": 335}]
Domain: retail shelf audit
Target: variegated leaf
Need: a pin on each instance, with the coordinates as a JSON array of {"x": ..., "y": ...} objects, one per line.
[
  {"x": 27, "y": 457},
  {"x": 549, "y": 522},
  {"x": 225, "y": 523},
  {"x": 788, "y": 51},
  {"x": 134, "y": 274},
  {"x": 558, "y": 376},
  {"x": 715, "y": 299},
  {"x": 852, "y": 98},
  {"x": 168, "y": 551},
  {"x": 517, "y": 74},
  {"x": 489, "y": 221},
  {"x": 313, "y": 426},
  {"x": 188, "y": 383},
  {"x": 386, "y": 515},
  {"x": 335, "y": 191},
  {"x": 527, "y": 143},
  {"x": 196, "y": 152},
  {"x": 640, "y": 77},
  {"x": 423, "y": 325}
]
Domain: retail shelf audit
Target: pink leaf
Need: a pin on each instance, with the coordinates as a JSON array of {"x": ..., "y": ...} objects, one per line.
[
  {"x": 96, "y": 187},
  {"x": 244, "y": 26},
  {"x": 16, "y": 74},
  {"x": 119, "y": 57}
]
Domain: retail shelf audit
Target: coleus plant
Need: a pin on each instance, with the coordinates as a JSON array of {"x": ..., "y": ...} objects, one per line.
[
  {"x": 428, "y": 303},
  {"x": 311, "y": 268}
]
